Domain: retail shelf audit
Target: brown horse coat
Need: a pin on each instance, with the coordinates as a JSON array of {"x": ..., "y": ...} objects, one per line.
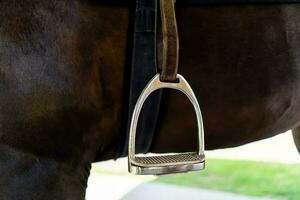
[{"x": 62, "y": 86}]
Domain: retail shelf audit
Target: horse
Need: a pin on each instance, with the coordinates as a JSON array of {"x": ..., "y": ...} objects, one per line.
[{"x": 64, "y": 80}]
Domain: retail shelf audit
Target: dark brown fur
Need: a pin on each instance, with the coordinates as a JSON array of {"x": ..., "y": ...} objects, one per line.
[{"x": 62, "y": 77}]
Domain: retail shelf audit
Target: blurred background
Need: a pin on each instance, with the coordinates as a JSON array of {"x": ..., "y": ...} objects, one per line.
[{"x": 264, "y": 170}]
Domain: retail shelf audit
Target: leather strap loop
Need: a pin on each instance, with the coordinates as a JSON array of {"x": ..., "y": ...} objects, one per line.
[{"x": 170, "y": 41}]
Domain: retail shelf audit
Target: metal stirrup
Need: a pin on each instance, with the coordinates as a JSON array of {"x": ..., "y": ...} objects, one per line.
[{"x": 166, "y": 163}]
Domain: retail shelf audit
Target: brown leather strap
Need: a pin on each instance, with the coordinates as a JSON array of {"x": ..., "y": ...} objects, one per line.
[{"x": 170, "y": 42}]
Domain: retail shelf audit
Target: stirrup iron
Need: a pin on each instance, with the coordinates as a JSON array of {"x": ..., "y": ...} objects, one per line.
[{"x": 165, "y": 163}]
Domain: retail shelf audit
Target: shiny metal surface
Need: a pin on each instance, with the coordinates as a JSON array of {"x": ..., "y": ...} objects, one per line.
[
  {"x": 138, "y": 170},
  {"x": 166, "y": 163}
]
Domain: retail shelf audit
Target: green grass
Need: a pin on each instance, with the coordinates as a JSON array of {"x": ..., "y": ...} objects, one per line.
[{"x": 244, "y": 177}]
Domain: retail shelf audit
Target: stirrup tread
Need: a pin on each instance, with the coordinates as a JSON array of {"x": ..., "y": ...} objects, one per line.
[{"x": 167, "y": 160}]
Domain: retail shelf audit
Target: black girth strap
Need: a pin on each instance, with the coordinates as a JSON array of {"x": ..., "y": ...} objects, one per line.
[{"x": 143, "y": 68}]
